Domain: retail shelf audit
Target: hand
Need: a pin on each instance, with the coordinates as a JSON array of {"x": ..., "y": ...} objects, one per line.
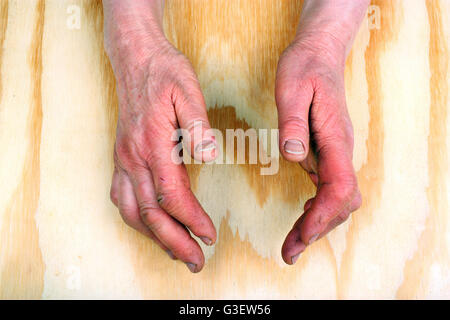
[
  {"x": 158, "y": 92},
  {"x": 316, "y": 131}
]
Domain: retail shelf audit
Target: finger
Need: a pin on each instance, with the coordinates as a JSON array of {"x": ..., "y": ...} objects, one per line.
[
  {"x": 308, "y": 204},
  {"x": 341, "y": 218},
  {"x": 191, "y": 113},
  {"x": 114, "y": 191},
  {"x": 337, "y": 189},
  {"x": 129, "y": 210},
  {"x": 293, "y": 245},
  {"x": 289, "y": 252},
  {"x": 293, "y": 103},
  {"x": 169, "y": 231},
  {"x": 174, "y": 195}
]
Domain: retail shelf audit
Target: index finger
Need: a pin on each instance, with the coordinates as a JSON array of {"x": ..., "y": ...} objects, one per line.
[
  {"x": 337, "y": 189},
  {"x": 173, "y": 192}
]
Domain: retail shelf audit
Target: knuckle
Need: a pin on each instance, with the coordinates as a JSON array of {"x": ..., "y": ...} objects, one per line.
[
  {"x": 168, "y": 200},
  {"x": 127, "y": 215},
  {"x": 113, "y": 195},
  {"x": 348, "y": 131},
  {"x": 327, "y": 129},
  {"x": 150, "y": 215},
  {"x": 127, "y": 220},
  {"x": 346, "y": 192},
  {"x": 123, "y": 150},
  {"x": 343, "y": 216},
  {"x": 124, "y": 155},
  {"x": 294, "y": 123},
  {"x": 357, "y": 201},
  {"x": 172, "y": 192},
  {"x": 172, "y": 202}
]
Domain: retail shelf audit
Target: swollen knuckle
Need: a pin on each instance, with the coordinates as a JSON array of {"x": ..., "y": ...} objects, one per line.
[
  {"x": 150, "y": 216},
  {"x": 357, "y": 201},
  {"x": 167, "y": 200},
  {"x": 123, "y": 150},
  {"x": 113, "y": 195},
  {"x": 127, "y": 220},
  {"x": 346, "y": 192},
  {"x": 155, "y": 224},
  {"x": 171, "y": 192},
  {"x": 348, "y": 132},
  {"x": 127, "y": 214},
  {"x": 343, "y": 216}
]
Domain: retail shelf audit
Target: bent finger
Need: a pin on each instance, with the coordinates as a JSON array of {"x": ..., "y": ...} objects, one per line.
[
  {"x": 129, "y": 210},
  {"x": 341, "y": 218},
  {"x": 169, "y": 231},
  {"x": 174, "y": 195}
]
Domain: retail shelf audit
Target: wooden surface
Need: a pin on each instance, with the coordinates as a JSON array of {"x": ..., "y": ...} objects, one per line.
[{"x": 61, "y": 237}]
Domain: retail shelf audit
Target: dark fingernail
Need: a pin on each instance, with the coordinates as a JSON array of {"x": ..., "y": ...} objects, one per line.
[
  {"x": 171, "y": 255},
  {"x": 191, "y": 267},
  {"x": 294, "y": 147},
  {"x": 294, "y": 258},
  {"x": 206, "y": 240},
  {"x": 313, "y": 238}
]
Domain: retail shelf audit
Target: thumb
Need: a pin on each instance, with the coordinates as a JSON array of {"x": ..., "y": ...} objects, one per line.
[
  {"x": 191, "y": 113},
  {"x": 293, "y": 103}
]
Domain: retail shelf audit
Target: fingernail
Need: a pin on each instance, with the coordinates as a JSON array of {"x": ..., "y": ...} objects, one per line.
[
  {"x": 206, "y": 240},
  {"x": 294, "y": 147},
  {"x": 205, "y": 146},
  {"x": 171, "y": 255},
  {"x": 313, "y": 238},
  {"x": 191, "y": 267},
  {"x": 294, "y": 258}
]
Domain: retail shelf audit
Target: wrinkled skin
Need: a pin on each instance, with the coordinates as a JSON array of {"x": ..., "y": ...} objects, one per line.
[
  {"x": 310, "y": 97},
  {"x": 157, "y": 96},
  {"x": 159, "y": 92}
]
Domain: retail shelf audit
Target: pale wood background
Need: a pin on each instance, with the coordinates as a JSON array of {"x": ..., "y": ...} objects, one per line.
[{"x": 61, "y": 237}]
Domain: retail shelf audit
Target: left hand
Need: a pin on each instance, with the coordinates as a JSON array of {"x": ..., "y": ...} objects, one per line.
[{"x": 316, "y": 131}]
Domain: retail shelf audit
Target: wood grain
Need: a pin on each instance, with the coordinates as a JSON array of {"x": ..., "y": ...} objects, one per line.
[{"x": 60, "y": 236}]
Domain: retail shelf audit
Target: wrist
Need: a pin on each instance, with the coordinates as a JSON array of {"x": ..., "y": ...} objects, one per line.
[
  {"x": 323, "y": 46},
  {"x": 333, "y": 21},
  {"x": 133, "y": 31}
]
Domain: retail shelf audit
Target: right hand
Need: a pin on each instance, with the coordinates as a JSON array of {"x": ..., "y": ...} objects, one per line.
[
  {"x": 158, "y": 93},
  {"x": 316, "y": 132}
]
